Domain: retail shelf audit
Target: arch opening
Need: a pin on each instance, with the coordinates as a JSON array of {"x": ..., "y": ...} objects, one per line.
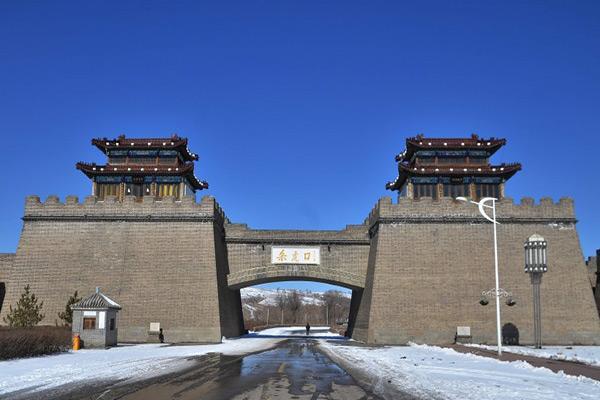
[
  {"x": 510, "y": 334},
  {"x": 286, "y": 303},
  {"x": 2, "y": 294}
]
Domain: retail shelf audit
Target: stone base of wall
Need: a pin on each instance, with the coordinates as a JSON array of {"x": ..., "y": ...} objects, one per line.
[{"x": 176, "y": 334}]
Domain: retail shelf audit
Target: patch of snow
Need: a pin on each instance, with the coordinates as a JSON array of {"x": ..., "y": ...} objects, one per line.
[
  {"x": 435, "y": 372},
  {"x": 584, "y": 354},
  {"x": 251, "y": 310},
  {"x": 109, "y": 301},
  {"x": 117, "y": 363},
  {"x": 321, "y": 331}
]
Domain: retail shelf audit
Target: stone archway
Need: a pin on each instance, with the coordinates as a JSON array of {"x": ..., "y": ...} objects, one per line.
[
  {"x": 356, "y": 296},
  {"x": 284, "y": 272}
]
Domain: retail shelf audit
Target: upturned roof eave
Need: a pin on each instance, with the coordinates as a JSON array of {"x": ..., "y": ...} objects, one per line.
[
  {"x": 179, "y": 144},
  {"x": 459, "y": 169},
  {"x": 97, "y": 301},
  {"x": 187, "y": 171},
  {"x": 417, "y": 143},
  {"x": 509, "y": 170}
]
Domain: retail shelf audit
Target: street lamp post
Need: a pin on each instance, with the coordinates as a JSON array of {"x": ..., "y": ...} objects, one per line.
[
  {"x": 535, "y": 265},
  {"x": 482, "y": 206}
]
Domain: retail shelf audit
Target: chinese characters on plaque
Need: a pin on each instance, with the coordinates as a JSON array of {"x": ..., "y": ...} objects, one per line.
[{"x": 295, "y": 255}]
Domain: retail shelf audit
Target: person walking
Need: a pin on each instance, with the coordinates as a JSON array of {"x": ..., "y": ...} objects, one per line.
[
  {"x": 161, "y": 337},
  {"x": 307, "y": 329}
]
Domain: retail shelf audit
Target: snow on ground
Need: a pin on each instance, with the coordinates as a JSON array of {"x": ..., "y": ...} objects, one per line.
[
  {"x": 123, "y": 362},
  {"x": 320, "y": 331},
  {"x": 441, "y": 373},
  {"x": 583, "y": 354},
  {"x": 131, "y": 361}
]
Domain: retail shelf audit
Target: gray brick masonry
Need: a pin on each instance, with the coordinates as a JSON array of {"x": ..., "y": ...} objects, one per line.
[{"x": 416, "y": 268}]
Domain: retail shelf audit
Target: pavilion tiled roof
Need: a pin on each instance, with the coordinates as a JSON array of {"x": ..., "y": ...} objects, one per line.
[
  {"x": 173, "y": 143},
  {"x": 506, "y": 170},
  {"x": 97, "y": 300},
  {"x": 186, "y": 170},
  {"x": 420, "y": 142}
]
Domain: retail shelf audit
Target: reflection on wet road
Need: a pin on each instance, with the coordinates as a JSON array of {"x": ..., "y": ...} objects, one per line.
[{"x": 293, "y": 370}]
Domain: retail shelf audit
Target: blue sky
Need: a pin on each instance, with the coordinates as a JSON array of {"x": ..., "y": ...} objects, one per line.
[{"x": 298, "y": 108}]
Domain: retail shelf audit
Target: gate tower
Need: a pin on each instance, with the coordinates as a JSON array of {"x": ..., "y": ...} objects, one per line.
[
  {"x": 139, "y": 167},
  {"x": 451, "y": 167}
]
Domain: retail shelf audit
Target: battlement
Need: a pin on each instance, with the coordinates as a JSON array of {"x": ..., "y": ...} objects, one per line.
[
  {"x": 351, "y": 234},
  {"x": 149, "y": 208},
  {"x": 451, "y": 210}
]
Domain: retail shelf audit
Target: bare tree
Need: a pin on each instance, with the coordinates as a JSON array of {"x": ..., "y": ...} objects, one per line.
[
  {"x": 294, "y": 302},
  {"x": 281, "y": 302},
  {"x": 336, "y": 305}
]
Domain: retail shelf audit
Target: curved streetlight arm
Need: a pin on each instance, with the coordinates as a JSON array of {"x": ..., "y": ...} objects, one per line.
[{"x": 481, "y": 205}]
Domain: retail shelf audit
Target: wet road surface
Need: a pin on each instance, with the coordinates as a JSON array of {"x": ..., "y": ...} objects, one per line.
[{"x": 293, "y": 370}]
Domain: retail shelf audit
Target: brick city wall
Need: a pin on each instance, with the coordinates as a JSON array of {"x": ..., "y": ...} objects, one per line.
[
  {"x": 430, "y": 261},
  {"x": 6, "y": 262},
  {"x": 343, "y": 255},
  {"x": 592, "y": 269},
  {"x": 157, "y": 259},
  {"x": 417, "y": 268}
]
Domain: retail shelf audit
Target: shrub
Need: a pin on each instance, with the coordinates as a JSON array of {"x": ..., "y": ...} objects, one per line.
[
  {"x": 35, "y": 341},
  {"x": 67, "y": 315},
  {"x": 27, "y": 313}
]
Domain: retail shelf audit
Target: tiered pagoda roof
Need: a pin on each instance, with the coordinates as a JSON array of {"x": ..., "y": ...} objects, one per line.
[
  {"x": 122, "y": 146},
  {"x": 173, "y": 143},
  {"x": 410, "y": 160},
  {"x": 419, "y": 142}
]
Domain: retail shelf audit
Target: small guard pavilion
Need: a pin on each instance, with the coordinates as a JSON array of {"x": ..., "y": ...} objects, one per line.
[{"x": 95, "y": 320}]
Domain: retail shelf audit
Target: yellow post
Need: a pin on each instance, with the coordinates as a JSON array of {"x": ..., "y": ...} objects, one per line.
[{"x": 76, "y": 342}]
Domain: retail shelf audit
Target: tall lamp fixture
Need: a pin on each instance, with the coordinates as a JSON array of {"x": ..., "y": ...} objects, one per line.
[
  {"x": 535, "y": 265},
  {"x": 481, "y": 204}
]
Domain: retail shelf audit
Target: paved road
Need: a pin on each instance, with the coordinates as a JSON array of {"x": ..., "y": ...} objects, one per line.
[{"x": 293, "y": 370}]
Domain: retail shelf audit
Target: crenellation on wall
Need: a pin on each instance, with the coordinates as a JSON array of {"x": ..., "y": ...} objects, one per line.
[
  {"x": 90, "y": 200},
  {"x": 527, "y": 201},
  {"x": 350, "y": 234},
  {"x": 451, "y": 210},
  {"x": 32, "y": 199},
  {"x": 129, "y": 208},
  {"x": 52, "y": 199},
  {"x": 209, "y": 205},
  {"x": 72, "y": 200}
]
